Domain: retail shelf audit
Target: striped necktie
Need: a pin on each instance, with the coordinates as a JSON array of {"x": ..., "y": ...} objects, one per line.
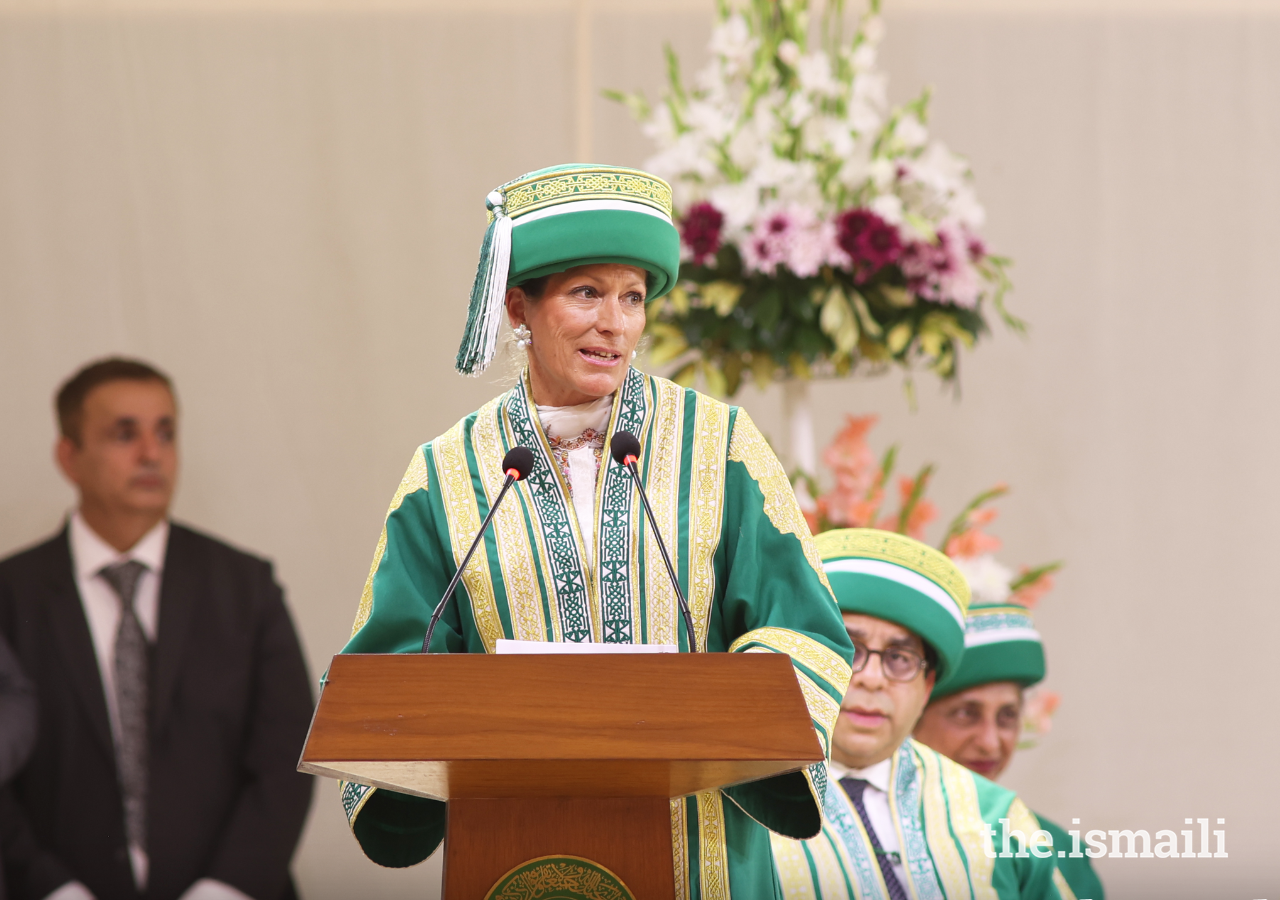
[
  {"x": 854, "y": 788},
  {"x": 132, "y": 688}
]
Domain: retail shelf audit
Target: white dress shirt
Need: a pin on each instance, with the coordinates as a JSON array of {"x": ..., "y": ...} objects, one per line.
[
  {"x": 90, "y": 554},
  {"x": 876, "y": 800}
]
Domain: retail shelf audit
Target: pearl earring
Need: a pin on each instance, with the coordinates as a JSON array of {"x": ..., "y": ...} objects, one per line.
[
  {"x": 523, "y": 336},
  {"x": 633, "y": 353}
]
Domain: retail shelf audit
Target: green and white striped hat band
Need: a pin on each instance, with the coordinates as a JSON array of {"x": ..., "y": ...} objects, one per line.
[
  {"x": 565, "y": 216},
  {"x": 1001, "y": 644},
  {"x": 901, "y": 580}
]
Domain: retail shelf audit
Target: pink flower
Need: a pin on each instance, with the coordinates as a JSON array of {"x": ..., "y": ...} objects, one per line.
[
  {"x": 870, "y": 242},
  {"x": 977, "y": 249},
  {"x": 791, "y": 237},
  {"x": 700, "y": 231},
  {"x": 921, "y": 514},
  {"x": 766, "y": 247},
  {"x": 1037, "y": 712},
  {"x": 919, "y": 261},
  {"x": 810, "y": 247},
  {"x": 972, "y": 542},
  {"x": 943, "y": 272},
  {"x": 857, "y": 495},
  {"x": 1029, "y": 594}
]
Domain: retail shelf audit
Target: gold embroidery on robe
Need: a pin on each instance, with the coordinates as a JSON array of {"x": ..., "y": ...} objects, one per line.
[
  {"x": 464, "y": 521},
  {"x": 749, "y": 447}
]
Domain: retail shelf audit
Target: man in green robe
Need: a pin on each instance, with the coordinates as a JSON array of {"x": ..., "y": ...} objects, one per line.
[
  {"x": 569, "y": 556},
  {"x": 902, "y": 820},
  {"x": 975, "y": 717}
]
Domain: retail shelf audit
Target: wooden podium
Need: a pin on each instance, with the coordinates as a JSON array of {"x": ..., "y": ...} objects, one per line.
[{"x": 573, "y": 755}]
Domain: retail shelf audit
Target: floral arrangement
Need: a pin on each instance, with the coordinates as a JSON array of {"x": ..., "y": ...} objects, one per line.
[
  {"x": 858, "y": 498},
  {"x": 1038, "y": 707},
  {"x": 823, "y": 230}
]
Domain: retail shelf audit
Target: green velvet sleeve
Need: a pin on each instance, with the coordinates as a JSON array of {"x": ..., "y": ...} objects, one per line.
[
  {"x": 1022, "y": 875},
  {"x": 1076, "y": 870},
  {"x": 775, "y": 599},
  {"x": 412, "y": 566}
]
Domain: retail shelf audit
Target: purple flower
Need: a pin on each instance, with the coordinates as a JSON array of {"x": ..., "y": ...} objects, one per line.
[
  {"x": 700, "y": 231},
  {"x": 977, "y": 249},
  {"x": 769, "y": 243},
  {"x": 943, "y": 272},
  {"x": 870, "y": 242},
  {"x": 919, "y": 262},
  {"x": 792, "y": 236}
]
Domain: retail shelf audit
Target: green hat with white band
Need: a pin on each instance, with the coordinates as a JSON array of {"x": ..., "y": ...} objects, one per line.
[
  {"x": 899, "y": 579},
  {"x": 1000, "y": 644},
  {"x": 565, "y": 216}
]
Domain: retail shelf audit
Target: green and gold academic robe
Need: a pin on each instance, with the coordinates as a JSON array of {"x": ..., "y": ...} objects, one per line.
[
  {"x": 742, "y": 551},
  {"x": 940, "y": 811},
  {"x": 1076, "y": 878}
]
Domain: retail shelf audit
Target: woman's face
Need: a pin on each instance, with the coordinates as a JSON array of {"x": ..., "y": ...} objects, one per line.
[
  {"x": 978, "y": 728},
  {"x": 583, "y": 331}
]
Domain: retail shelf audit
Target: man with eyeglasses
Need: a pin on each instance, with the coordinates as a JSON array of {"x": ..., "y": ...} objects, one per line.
[
  {"x": 902, "y": 821},
  {"x": 974, "y": 716}
]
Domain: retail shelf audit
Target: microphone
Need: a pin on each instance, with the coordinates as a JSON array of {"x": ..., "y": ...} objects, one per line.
[
  {"x": 625, "y": 449},
  {"x": 517, "y": 465}
]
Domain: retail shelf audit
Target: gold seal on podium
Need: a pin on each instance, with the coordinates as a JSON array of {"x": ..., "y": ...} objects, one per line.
[{"x": 559, "y": 878}]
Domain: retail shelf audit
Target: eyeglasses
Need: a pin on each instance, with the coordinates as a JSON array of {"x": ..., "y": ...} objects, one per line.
[{"x": 896, "y": 663}]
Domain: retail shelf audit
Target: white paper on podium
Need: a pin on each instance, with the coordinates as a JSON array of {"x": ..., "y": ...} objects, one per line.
[{"x": 506, "y": 646}]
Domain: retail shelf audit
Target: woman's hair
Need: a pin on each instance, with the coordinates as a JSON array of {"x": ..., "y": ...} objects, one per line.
[{"x": 534, "y": 288}]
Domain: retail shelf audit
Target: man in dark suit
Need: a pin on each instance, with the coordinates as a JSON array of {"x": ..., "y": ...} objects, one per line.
[{"x": 173, "y": 695}]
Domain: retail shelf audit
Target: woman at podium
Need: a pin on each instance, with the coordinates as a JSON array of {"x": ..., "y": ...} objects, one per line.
[{"x": 571, "y": 258}]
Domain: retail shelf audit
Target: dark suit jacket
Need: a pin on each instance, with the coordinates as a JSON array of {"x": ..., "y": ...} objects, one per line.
[
  {"x": 17, "y": 727},
  {"x": 230, "y": 708},
  {"x": 17, "y": 714}
]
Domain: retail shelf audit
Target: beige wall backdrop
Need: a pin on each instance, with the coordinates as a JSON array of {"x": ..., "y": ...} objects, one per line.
[{"x": 281, "y": 203}]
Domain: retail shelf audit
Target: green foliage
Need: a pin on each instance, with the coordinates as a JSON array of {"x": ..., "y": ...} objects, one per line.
[{"x": 783, "y": 326}]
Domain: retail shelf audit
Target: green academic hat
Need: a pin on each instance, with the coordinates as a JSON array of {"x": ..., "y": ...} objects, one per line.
[
  {"x": 1000, "y": 644},
  {"x": 898, "y": 579},
  {"x": 553, "y": 219}
]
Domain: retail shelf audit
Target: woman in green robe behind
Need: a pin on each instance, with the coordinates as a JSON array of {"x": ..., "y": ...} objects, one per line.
[
  {"x": 571, "y": 258},
  {"x": 975, "y": 717}
]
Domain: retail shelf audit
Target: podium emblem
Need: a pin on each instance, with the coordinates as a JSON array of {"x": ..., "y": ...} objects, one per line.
[{"x": 559, "y": 878}]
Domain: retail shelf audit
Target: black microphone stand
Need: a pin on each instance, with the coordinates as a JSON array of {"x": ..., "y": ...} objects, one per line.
[
  {"x": 627, "y": 453},
  {"x": 517, "y": 465}
]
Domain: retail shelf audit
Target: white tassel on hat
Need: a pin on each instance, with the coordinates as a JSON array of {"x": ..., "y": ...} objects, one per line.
[{"x": 488, "y": 292}]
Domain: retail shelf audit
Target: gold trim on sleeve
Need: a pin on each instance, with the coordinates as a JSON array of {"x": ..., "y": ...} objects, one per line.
[
  {"x": 749, "y": 447},
  {"x": 353, "y": 796},
  {"x": 822, "y": 709},
  {"x": 815, "y": 655},
  {"x": 713, "y": 860},
  {"x": 680, "y": 846},
  {"x": 415, "y": 479}
]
